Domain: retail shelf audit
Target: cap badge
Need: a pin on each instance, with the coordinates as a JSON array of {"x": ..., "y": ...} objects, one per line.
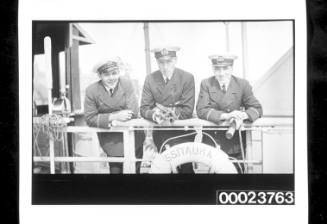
[
  {"x": 164, "y": 52},
  {"x": 220, "y": 59}
]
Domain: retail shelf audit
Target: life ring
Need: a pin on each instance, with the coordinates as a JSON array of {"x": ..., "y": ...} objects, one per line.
[{"x": 188, "y": 152}]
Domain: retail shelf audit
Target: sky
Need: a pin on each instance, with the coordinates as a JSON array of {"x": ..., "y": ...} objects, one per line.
[{"x": 266, "y": 43}]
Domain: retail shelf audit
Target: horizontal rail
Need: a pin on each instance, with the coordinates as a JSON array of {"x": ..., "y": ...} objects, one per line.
[
  {"x": 82, "y": 159},
  {"x": 188, "y": 124},
  {"x": 110, "y": 159},
  {"x": 74, "y": 129}
]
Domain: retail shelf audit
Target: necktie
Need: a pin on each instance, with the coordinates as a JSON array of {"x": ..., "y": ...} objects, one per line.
[
  {"x": 223, "y": 88},
  {"x": 111, "y": 91},
  {"x": 166, "y": 80}
]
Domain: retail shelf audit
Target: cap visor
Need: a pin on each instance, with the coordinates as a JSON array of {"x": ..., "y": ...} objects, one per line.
[
  {"x": 222, "y": 65},
  {"x": 165, "y": 58}
]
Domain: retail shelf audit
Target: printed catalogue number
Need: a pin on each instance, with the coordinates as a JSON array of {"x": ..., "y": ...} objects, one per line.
[{"x": 254, "y": 197}]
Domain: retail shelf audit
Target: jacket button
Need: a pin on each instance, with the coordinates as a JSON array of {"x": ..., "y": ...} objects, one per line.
[{"x": 228, "y": 110}]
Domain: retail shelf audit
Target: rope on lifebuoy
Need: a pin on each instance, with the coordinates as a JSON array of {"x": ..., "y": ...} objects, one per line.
[{"x": 188, "y": 152}]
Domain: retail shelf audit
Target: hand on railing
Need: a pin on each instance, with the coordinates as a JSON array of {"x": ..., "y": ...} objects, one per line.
[
  {"x": 239, "y": 115},
  {"x": 122, "y": 115},
  {"x": 236, "y": 114}
]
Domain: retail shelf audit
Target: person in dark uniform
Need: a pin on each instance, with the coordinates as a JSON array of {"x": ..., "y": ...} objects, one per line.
[
  {"x": 109, "y": 99},
  {"x": 168, "y": 86},
  {"x": 225, "y": 97}
]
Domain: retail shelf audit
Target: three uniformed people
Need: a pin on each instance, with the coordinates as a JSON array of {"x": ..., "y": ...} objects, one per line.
[{"x": 222, "y": 97}]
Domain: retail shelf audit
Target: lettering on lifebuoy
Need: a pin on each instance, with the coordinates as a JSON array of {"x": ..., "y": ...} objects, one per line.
[{"x": 187, "y": 152}]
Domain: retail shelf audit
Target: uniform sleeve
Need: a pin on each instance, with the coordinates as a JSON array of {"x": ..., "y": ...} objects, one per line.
[
  {"x": 187, "y": 100},
  {"x": 204, "y": 108},
  {"x": 131, "y": 100},
  {"x": 92, "y": 116},
  {"x": 252, "y": 106},
  {"x": 147, "y": 102}
]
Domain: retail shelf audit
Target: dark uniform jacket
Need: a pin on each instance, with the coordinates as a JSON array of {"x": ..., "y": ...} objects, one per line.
[
  {"x": 212, "y": 102},
  {"x": 99, "y": 103},
  {"x": 179, "y": 88}
]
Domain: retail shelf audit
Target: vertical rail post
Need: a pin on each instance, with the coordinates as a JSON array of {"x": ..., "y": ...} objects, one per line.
[
  {"x": 147, "y": 48},
  {"x": 227, "y": 36},
  {"x": 244, "y": 49},
  {"x": 262, "y": 150},
  {"x": 48, "y": 71},
  {"x": 129, "y": 151},
  {"x": 249, "y": 150}
]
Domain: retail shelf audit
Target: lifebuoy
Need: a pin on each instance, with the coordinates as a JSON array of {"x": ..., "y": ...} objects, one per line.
[{"x": 187, "y": 152}]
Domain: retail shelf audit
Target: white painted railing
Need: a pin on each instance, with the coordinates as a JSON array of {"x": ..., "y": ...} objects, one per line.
[{"x": 128, "y": 128}]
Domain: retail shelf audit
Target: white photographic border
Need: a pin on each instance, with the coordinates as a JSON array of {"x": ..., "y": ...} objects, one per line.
[{"x": 161, "y": 10}]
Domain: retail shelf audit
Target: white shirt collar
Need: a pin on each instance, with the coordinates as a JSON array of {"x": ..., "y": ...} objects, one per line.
[
  {"x": 226, "y": 83},
  {"x": 107, "y": 88},
  {"x": 165, "y": 77},
  {"x": 110, "y": 88},
  {"x": 169, "y": 78}
]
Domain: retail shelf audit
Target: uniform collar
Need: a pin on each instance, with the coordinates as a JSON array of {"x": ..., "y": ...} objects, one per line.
[
  {"x": 226, "y": 83},
  {"x": 169, "y": 78},
  {"x": 113, "y": 88}
]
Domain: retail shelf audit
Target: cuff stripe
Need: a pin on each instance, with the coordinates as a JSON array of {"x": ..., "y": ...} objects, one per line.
[
  {"x": 255, "y": 110},
  {"x": 98, "y": 119}
]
